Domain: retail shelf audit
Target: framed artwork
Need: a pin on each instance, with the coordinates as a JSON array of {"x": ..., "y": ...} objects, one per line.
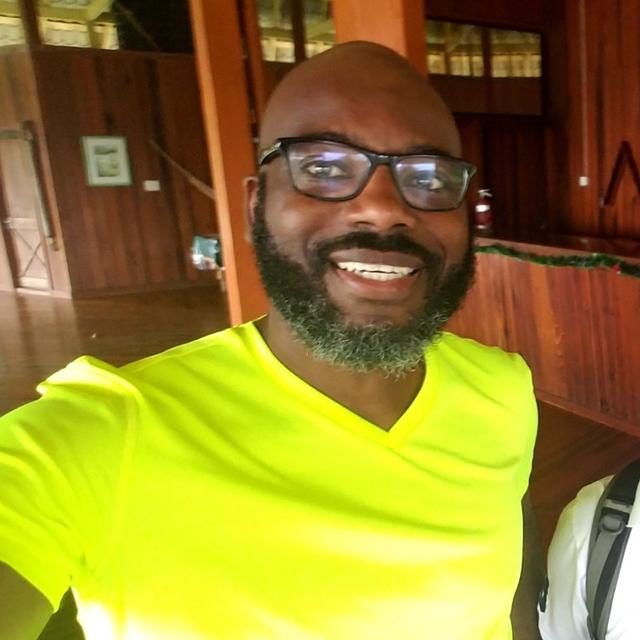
[{"x": 106, "y": 161}]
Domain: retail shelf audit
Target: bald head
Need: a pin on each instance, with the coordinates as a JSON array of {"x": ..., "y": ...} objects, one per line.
[{"x": 364, "y": 91}]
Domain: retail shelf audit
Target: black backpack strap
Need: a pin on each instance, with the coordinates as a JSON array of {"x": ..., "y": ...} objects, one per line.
[{"x": 609, "y": 536}]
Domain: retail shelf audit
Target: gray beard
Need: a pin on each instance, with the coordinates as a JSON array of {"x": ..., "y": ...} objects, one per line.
[{"x": 303, "y": 301}]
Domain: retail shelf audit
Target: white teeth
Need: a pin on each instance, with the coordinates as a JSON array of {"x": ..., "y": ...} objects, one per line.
[
  {"x": 376, "y": 271},
  {"x": 378, "y": 275}
]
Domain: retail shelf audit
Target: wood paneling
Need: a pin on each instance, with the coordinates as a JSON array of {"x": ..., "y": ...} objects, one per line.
[
  {"x": 571, "y": 452},
  {"x": 462, "y": 94},
  {"x": 523, "y": 15},
  {"x": 18, "y": 96},
  {"x": 575, "y": 327},
  {"x": 7, "y": 282},
  {"x": 514, "y": 168},
  {"x": 597, "y": 116},
  {"x": 510, "y": 155},
  {"x": 556, "y": 101},
  {"x": 125, "y": 238},
  {"x": 510, "y": 96}
]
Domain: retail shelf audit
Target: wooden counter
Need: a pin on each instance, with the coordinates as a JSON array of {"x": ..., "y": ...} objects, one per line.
[{"x": 576, "y": 327}]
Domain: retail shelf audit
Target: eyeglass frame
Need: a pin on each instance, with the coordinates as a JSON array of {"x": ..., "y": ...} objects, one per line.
[{"x": 279, "y": 148}]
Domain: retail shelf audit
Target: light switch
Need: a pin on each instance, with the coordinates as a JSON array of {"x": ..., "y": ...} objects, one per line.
[{"x": 151, "y": 185}]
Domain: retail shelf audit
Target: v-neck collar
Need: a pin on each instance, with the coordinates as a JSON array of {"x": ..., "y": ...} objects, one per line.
[{"x": 344, "y": 418}]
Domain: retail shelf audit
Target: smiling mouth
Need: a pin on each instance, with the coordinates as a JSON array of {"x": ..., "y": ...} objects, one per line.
[{"x": 379, "y": 272}]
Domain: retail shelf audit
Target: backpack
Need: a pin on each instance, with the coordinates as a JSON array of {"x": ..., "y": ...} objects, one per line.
[{"x": 607, "y": 544}]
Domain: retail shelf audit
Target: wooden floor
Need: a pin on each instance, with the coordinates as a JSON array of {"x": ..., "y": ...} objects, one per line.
[{"x": 40, "y": 334}]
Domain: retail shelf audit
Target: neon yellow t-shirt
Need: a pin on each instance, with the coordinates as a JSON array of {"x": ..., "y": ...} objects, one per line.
[{"x": 207, "y": 492}]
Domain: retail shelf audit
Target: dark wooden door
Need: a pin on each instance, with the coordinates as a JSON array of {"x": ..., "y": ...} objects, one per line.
[{"x": 25, "y": 220}]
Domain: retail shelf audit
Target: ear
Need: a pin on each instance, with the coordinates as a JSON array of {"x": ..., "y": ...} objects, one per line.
[{"x": 250, "y": 189}]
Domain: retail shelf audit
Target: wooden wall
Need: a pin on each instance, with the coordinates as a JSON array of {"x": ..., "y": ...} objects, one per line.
[
  {"x": 18, "y": 104},
  {"x": 597, "y": 116},
  {"x": 510, "y": 154},
  {"x": 519, "y": 96},
  {"x": 124, "y": 238},
  {"x": 6, "y": 277},
  {"x": 523, "y": 15},
  {"x": 575, "y": 327},
  {"x": 510, "y": 150}
]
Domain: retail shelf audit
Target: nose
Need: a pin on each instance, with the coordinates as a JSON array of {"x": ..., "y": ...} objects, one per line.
[{"x": 380, "y": 205}]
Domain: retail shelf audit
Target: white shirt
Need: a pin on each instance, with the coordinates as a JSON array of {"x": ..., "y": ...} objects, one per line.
[{"x": 565, "y": 617}]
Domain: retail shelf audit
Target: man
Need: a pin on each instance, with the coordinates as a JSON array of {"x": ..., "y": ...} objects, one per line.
[
  {"x": 314, "y": 474},
  {"x": 564, "y": 613}
]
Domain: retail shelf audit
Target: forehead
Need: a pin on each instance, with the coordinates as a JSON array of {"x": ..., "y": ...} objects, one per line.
[{"x": 392, "y": 114}]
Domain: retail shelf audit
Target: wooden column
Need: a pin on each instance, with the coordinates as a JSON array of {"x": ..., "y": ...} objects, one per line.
[
  {"x": 223, "y": 86},
  {"x": 29, "y": 15},
  {"x": 254, "y": 51},
  {"x": 398, "y": 24}
]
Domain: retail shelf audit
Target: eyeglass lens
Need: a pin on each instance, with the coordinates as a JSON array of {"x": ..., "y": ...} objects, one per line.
[{"x": 334, "y": 171}]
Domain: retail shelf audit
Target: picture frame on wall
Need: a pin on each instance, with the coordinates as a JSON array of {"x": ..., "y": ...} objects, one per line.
[{"x": 106, "y": 161}]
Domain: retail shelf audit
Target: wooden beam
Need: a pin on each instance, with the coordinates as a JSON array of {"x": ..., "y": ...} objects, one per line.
[
  {"x": 254, "y": 51},
  {"x": 398, "y": 24},
  {"x": 297, "y": 25},
  {"x": 226, "y": 110},
  {"x": 30, "y": 22}
]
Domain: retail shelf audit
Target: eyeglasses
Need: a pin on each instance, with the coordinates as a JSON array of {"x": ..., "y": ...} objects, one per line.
[{"x": 335, "y": 171}]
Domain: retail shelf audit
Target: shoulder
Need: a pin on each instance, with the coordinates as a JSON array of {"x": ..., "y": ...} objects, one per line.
[
  {"x": 571, "y": 536},
  {"x": 495, "y": 388},
  {"x": 62, "y": 459},
  {"x": 87, "y": 407},
  {"x": 212, "y": 355},
  {"x": 578, "y": 514},
  {"x": 91, "y": 396},
  {"x": 475, "y": 361},
  {"x": 565, "y": 613}
]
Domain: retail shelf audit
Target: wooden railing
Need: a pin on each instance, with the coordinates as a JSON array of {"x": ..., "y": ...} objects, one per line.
[{"x": 576, "y": 327}]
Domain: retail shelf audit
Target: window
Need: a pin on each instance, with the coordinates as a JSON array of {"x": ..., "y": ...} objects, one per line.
[
  {"x": 287, "y": 25},
  {"x": 79, "y": 23},
  {"x": 11, "y": 30},
  {"x": 276, "y": 28},
  {"x": 454, "y": 49},
  {"x": 320, "y": 34},
  {"x": 471, "y": 50},
  {"x": 143, "y": 25},
  {"x": 515, "y": 54}
]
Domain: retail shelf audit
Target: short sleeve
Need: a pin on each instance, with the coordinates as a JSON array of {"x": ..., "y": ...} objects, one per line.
[
  {"x": 565, "y": 615},
  {"x": 527, "y": 421},
  {"x": 60, "y": 463}
]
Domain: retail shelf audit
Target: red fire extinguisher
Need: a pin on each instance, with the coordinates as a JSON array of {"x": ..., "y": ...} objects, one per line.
[{"x": 483, "y": 218}]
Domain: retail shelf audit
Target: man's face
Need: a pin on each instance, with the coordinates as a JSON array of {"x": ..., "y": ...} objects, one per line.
[{"x": 366, "y": 282}]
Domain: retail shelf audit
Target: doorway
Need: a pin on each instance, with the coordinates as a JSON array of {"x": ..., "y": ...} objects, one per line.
[{"x": 25, "y": 220}]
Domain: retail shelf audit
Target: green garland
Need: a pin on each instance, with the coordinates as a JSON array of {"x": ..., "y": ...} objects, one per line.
[{"x": 592, "y": 261}]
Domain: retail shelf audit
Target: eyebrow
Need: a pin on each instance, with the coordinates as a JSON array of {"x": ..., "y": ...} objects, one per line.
[{"x": 334, "y": 136}]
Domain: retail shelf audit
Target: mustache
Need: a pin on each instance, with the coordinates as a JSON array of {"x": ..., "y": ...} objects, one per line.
[{"x": 370, "y": 240}]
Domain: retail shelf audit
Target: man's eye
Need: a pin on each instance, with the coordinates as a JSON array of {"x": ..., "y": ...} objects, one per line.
[
  {"x": 427, "y": 181},
  {"x": 322, "y": 169}
]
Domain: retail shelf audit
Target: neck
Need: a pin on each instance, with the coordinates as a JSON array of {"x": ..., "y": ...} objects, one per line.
[{"x": 374, "y": 395}]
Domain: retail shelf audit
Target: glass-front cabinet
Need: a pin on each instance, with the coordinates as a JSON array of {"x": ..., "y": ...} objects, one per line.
[
  {"x": 142, "y": 25},
  {"x": 482, "y": 69},
  {"x": 11, "y": 27},
  {"x": 292, "y": 30}
]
